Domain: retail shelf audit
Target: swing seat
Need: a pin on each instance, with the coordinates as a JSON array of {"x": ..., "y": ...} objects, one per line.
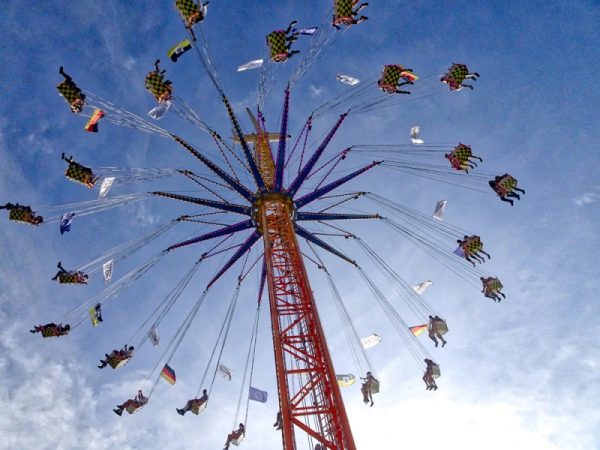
[
  {"x": 390, "y": 89},
  {"x": 280, "y": 57},
  {"x": 23, "y": 216},
  {"x": 343, "y": 20},
  {"x": 134, "y": 407},
  {"x": 199, "y": 408},
  {"x": 117, "y": 361},
  {"x": 375, "y": 387},
  {"x": 435, "y": 372},
  {"x": 80, "y": 174},
  {"x": 440, "y": 327},
  {"x": 238, "y": 440},
  {"x": 71, "y": 278},
  {"x": 50, "y": 332}
]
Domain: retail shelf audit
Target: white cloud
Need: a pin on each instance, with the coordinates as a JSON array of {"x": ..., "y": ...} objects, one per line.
[
  {"x": 315, "y": 91},
  {"x": 588, "y": 197}
]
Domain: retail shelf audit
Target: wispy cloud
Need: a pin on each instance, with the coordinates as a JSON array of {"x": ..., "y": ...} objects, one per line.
[{"x": 588, "y": 197}]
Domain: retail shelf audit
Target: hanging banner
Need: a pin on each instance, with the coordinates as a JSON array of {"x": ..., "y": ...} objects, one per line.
[
  {"x": 414, "y": 135},
  {"x": 250, "y": 65},
  {"x": 257, "y": 395},
  {"x": 65, "y": 222},
  {"x": 95, "y": 313},
  {"x": 105, "y": 186},
  {"x": 440, "y": 207},
  {"x": 107, "y": 270},
  {"x": 224, "y": 372},
  {"x": 422, "y": 287},
  {"x": 370, "y": 341},
  {"x": 153, "y": 337},
  {"x": 159, "y": 111}
]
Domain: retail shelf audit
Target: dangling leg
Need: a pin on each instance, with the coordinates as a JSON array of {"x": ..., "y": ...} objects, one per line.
[
  {"x": 504, "y": 199},
  {"x": 156, "y": 66},
  {"x": 360, "y": 8},
  {"x": 361, "y": 19},
  {"x": 440, "y": 337},
  {"x": 514, "y": 195},
  {"x": 432, "y": 337},
  {"x": 479, "y": 258},
  {"x": 371, "y": 398},
  {"x": 67, "y": 77},
  {"x": 486, "y": 254},
  {"x": 292, "y": 53},
  {"x": 518, "y": 189},
  {"x": 466, "y": 85},
  {"x": 290, "y": 26}
]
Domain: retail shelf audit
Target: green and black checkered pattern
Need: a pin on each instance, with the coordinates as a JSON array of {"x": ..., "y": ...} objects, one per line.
[
  {"x": 50, "y": 331},
  {"x": 343, "y": 8},
  {"x": 115, "y": 359},
  {"x": 156, "y": 85},
  {"x": 276, "y": 43},
  {"x": 188, "y": 9},
  {"x": 69, "y": 278},
  {"x": 21, "y": 215},
  {"x": 69, "y": 91},
  {"x": 79, "y": 173},
  {"x": 462, "y": 152},
  {"x": 472, "y": 245},
  {"x": 507, "y": 183},
  {"x": 391, "y": 75},
  {"x": 493, "y": 285},
  {"x": 458, "y": 72}
]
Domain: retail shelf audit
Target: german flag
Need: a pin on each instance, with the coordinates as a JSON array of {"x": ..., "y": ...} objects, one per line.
[
  {"x": 92, "y": 124},
  {"x": 168, "y": 374}
]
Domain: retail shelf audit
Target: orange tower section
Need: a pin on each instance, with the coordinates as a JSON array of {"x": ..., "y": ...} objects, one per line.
[{"x": 310, "y": 397}]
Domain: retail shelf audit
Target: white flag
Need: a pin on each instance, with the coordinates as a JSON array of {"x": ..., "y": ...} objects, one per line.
[
  {"x": 440, "y": 207},
  {"x": 225, "y": 372},
  {"x": 347, "y": 79},
  {"x": 159, "y": 111},
  {"x": 250, "y": 65},
  {"x": 153, "y": 337},
  {"x": 107, "y": 269},
  {"x": 105, "y": 186},
  {"x": 370, "y": 341},
  {"x": 414, "y": 135},
  {"x": 422, "y": 287}
]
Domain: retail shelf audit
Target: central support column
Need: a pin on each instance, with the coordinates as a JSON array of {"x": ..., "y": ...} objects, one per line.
[{"x": 309, "y": 395}]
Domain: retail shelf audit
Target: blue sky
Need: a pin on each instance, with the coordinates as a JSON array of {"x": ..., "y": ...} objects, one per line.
[{"x": 520, "y": 374}]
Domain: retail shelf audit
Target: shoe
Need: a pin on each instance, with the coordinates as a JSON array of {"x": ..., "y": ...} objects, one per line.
[
  {"x": 32, "y": 331},
  {"x": 181, "y": 412},
  {"x": 59, "y": 264},
  {"x": 444, "y": 344},
  {"x": 435, "y": 388},
  {"x": 372, "y": 404},
  {"x": 117, "y": 412},
  {"x": 278, "y": 428}
]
